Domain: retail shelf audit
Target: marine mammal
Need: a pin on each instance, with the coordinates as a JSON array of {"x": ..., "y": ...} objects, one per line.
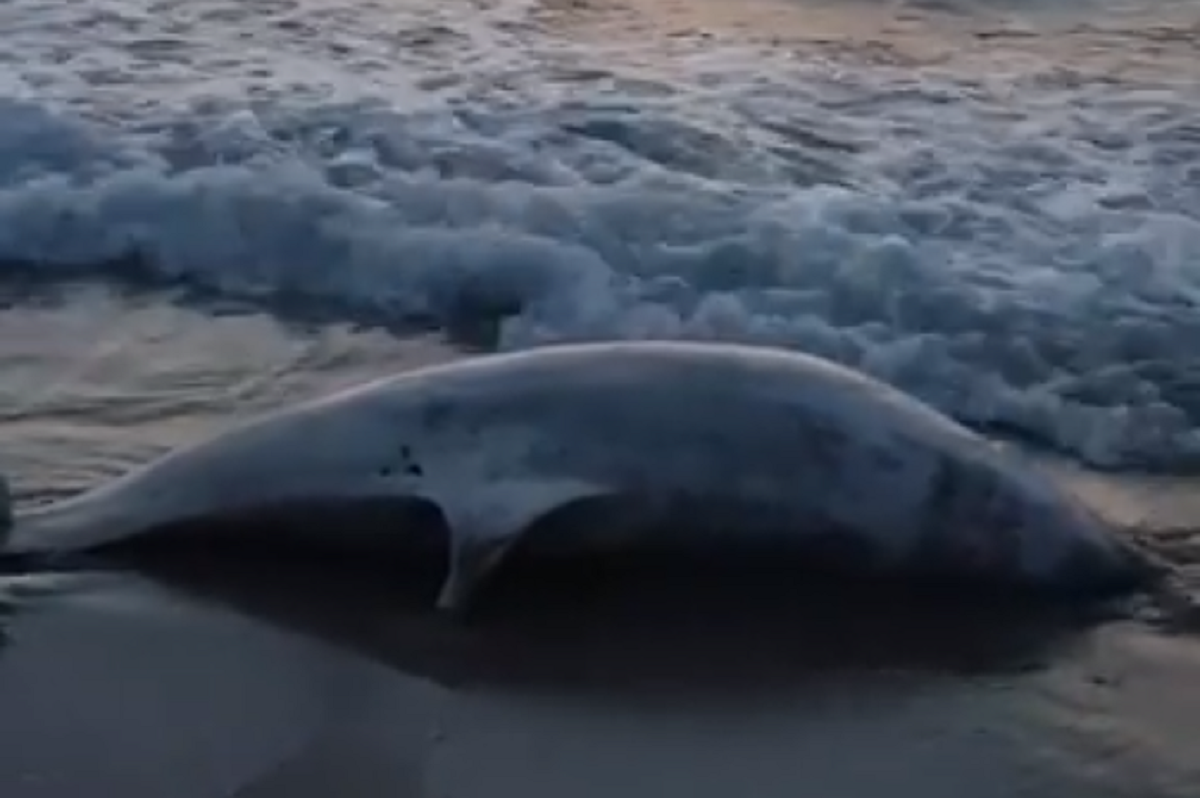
[{"x": 798, "y": 445}]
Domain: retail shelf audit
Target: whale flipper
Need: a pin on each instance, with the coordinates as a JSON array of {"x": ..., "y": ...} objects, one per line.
[{"x": 486, "y": 523}]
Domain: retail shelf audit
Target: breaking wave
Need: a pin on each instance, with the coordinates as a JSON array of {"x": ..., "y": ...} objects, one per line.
[{"x": 1026, "y": 260}]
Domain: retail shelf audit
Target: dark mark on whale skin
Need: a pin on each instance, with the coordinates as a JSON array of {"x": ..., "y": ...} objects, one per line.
[{"x": 408, "y": 464}]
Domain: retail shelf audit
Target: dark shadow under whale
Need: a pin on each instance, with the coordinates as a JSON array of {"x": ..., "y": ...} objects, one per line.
[{"x": 742, "y": 623}]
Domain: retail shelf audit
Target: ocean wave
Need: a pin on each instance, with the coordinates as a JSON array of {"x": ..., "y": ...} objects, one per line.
[{"x": 1040, "y": 276}]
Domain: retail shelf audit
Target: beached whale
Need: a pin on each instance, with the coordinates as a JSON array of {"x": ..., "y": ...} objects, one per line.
[{"x": 753, "y": 441}]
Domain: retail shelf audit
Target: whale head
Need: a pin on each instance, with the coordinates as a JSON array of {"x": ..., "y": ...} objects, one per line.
[
  {"x": 1011, "y": 519},
  {"x": 1067, "y": 544}
]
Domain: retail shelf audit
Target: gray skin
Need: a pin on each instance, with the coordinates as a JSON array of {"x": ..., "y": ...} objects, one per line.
[{"x": 764, "y": 442}]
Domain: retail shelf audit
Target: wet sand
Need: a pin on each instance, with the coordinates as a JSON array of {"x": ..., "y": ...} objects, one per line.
[
  {"x": 292, "y": 677},
  {"x": 296, "y": 683},
  {"x": 114, "y": 685}
]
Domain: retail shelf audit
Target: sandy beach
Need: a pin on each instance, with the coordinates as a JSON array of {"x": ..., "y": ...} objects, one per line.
[
  {"x": 116, "y": 685},
  {"x": 959, "y": 194}
]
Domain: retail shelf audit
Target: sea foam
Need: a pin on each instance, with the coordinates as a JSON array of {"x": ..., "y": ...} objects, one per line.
[{"x": 1023, "y": 253}]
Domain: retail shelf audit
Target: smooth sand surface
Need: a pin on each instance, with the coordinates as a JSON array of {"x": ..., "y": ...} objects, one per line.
[{"x": 291, "y": 683}]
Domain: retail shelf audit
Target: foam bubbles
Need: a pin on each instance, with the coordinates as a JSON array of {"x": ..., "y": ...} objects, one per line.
[{"x": 1022, "y": 253}]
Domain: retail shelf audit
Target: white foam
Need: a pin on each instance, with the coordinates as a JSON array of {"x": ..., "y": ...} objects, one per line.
[{"x": 1018, "y": 251}]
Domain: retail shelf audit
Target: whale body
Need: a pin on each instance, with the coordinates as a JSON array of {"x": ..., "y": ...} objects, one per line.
[{"x": 796, "y": 445}]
